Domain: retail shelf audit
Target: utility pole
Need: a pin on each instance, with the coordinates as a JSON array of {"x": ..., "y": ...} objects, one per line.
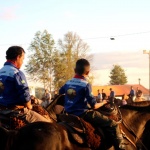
[{"x": 139, "y": 81}]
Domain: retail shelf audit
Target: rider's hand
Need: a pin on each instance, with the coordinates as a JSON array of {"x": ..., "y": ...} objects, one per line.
[
  {"x": 98, "y": 105},
  {"x": 104, "y": 101},
  {"x": 28, "y": 105}
]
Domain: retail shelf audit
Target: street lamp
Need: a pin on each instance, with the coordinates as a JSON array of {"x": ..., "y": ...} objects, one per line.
[
  {"x": 139, "y": 80},
  {"x": 148, "y": 52}
]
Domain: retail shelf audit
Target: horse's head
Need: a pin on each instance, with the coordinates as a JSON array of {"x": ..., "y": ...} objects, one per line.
[
  {"x": 56, "y": 106},
  {"x": 112, "y": 111},
  {"x": 108, "y": 107}
]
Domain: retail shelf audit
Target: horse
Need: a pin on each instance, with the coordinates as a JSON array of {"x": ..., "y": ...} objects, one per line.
[
  {"x": 146, "y": 136},
  {"x": 137, "y": 98},
  {"x": 122, "y": 101},
  {"x": 132, "y": 124},
  {"x": 57, "y": 136},
  {"x": 126, "y": 99},
  {"x": 43, "y": 135},
  {"x": 135, "y": 118},
  {"x": 40, "y": 135}
]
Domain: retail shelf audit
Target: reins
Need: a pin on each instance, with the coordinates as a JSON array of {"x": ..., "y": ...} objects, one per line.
[{"x": 131, "y": 130}]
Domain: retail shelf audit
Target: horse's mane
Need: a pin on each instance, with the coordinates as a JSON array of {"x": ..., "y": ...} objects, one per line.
[{"x": 139, "y": 106}]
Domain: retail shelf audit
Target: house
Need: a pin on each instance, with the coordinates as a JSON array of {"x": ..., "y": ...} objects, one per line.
[{"x": 121, "y": 89}]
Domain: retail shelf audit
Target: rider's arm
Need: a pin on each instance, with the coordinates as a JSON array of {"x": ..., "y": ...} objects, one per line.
[
  {"x": 22, "y": 87},
  {"x": 98, "y": 105},
  {"x": 91, "y": 100}
]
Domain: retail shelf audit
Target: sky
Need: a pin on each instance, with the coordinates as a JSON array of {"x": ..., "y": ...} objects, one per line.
[{"x": 95, "y": 21}]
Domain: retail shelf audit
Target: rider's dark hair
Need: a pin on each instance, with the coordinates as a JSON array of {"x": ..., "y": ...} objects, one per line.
[
  {"x": 81, "y": 66},
  {"x": 13, "y": 52}
]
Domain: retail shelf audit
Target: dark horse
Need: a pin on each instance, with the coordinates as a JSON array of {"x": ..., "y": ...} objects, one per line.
[
  {"x": 134, "y": 118},
  {"x": 55, "y": 136}
]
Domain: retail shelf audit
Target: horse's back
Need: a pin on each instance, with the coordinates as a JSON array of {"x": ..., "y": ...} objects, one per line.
[{"x": 37, "y": 136}]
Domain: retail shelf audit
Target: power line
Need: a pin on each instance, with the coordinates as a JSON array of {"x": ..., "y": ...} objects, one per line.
[
  {"x": 120, "y": 35},
  {"x": 117, "y": 35}
]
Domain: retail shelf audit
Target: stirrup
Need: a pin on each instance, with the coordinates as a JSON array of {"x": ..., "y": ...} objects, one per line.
[{"x": 122, "y": 144}]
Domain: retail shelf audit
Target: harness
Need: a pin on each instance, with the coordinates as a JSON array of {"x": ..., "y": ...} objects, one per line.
[{"x": 114, "y": 110}]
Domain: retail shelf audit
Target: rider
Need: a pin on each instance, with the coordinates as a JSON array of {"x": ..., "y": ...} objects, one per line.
[
  {"x": 132, "y": 93},
  {"x": 103, "y": 94},
  {"x": 78, "y": 94},
  {"x": 14, "y": 89},
  {"x": 112, "y": 95}
]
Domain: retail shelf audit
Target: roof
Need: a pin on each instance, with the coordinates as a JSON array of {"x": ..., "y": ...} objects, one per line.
[{"x": 119, "y": 89}]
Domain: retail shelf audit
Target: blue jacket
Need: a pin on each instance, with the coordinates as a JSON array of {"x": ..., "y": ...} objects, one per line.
[
  {"x": 16, "y": 90},
  {"x": 77, "y": 95},
  {"x": 112, "y": 94},
  {"x": 132, "y": 92}
]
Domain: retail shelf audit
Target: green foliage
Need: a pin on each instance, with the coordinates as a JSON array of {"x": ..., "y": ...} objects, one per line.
[
  {"x": 51, "y": 66},
  {"x": 117, "y": 76},
  {"x": 70, "y": 49},
  {"x": 39, "y": 65}
]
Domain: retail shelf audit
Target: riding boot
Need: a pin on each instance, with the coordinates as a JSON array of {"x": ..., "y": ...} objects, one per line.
[{"x": 118, "y": 140}]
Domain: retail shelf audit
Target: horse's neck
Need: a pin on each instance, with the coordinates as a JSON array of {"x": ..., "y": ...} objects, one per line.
[
  {"x": 135, "y": 120},
  {"x": 51, "y": 111}
]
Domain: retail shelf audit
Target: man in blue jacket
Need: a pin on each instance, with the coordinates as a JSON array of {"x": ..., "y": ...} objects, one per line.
[
  {"x": 112, "y": 95},
  {"x": 78, "y": 95},
  {"x": 14, "y": 89},
  {"x": 132, "y": 94}
]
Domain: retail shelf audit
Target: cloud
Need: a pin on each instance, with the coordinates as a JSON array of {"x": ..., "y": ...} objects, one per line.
[
  {"x": 135, "y": 65},
  {"x": 8, "y": 13},
  {"x": 124, "y": 59}
]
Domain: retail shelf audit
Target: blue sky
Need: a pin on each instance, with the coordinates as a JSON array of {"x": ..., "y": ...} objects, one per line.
[{"x": 95, "y": 21}]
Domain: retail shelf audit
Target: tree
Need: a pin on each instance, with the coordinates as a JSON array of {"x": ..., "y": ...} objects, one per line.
[
  {"x": 53, "y": 66},
  {"x": 117, "y": 76},
  {"x": 70, "y": 49},
  {"x": 40, "y": 60}
]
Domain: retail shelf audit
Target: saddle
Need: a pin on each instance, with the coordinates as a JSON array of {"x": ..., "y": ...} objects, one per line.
[
  {"x": 81, "y": 131},
  {"x": 14, "y": 118}
]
